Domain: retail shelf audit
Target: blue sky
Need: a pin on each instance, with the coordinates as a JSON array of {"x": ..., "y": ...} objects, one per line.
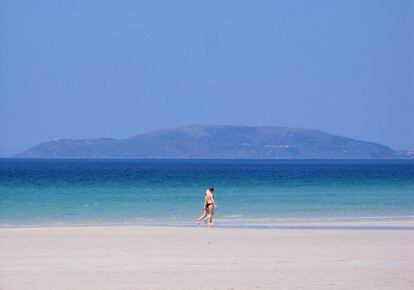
[{"x": 86, "y": 69}]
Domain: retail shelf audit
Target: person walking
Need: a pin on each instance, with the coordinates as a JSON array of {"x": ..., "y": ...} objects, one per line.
[{"x": 209, "y": 206}]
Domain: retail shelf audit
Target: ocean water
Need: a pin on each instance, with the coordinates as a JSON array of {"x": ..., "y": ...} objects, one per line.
[{"x": 58, "y": 191}]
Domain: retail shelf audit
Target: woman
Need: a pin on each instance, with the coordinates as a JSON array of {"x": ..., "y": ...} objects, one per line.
[{"x": 209, "y": 206}]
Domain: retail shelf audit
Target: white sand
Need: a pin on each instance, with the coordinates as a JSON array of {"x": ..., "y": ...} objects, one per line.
[{"x": 201, "y": 258}]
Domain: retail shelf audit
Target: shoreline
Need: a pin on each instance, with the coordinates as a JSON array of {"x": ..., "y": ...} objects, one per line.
[{"x": 403, "y": 222}]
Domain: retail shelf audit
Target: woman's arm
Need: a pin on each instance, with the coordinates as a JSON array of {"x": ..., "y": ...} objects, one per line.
[
  {"x": 205, "y": 201},
  {"x": 213, "y": 201}
]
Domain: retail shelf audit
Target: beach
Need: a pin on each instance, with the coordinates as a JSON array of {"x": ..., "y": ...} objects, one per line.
[
  {"x": 340, "y": 255},
  {"x": 130, "y": 224}
]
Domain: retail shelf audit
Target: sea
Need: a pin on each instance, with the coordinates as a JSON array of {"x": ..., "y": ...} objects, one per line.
[{"x": 48, "y": 192}]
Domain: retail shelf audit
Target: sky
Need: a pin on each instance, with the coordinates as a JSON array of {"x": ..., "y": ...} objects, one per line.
[{"x": 88, "y": 69}]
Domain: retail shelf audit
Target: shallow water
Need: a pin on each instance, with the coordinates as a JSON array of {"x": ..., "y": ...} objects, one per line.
[{"x": 56, "y": 191}]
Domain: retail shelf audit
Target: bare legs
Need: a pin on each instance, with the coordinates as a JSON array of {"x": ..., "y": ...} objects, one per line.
[
  {"x": 204, "y": 215},
  {"x": 207, "y": 215},
  {"x": 209, "y": 219}
]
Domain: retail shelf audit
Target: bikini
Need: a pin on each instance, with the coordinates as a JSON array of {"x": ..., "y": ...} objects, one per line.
[{"x": 208, "y": 204}]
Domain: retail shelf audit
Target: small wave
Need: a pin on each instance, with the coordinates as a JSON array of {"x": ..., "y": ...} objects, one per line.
[{"x": 233, "y": 216}]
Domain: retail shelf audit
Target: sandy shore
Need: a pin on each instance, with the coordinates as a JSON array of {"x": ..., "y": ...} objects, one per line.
[{"x": 138, "y": 257}]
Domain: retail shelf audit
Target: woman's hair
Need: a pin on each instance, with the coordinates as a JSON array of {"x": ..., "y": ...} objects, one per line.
[{"x": 211, "y": 189}]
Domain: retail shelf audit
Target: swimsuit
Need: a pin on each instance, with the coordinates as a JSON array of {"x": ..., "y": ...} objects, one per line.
[{"x": 208, "y": 204}]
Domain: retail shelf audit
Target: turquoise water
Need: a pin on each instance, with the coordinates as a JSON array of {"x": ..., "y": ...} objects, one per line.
[{"x": 48, "y": 192}]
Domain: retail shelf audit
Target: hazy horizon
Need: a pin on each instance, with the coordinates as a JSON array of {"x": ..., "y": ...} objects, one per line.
[{"x": 114, "y": 69}]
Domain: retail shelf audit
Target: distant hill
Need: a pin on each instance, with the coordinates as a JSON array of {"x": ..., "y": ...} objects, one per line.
[{"x": 233, "y": 142}]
